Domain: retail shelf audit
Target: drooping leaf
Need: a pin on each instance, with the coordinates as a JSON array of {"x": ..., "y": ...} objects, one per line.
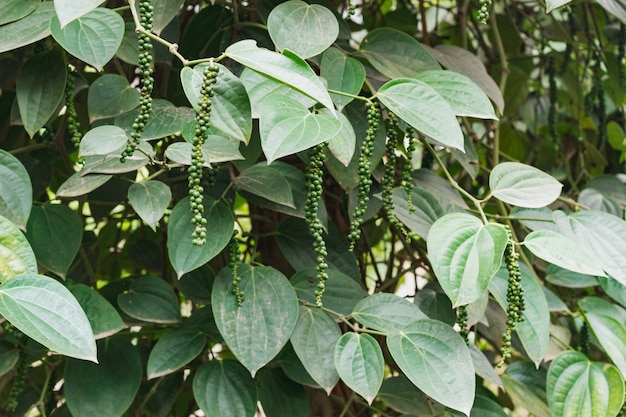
[
  {"x": 150, "y": 200},
  {"x": 577, "y": 387},
  {"x": 523, "y": 185},
  {"x": 111, "y": 164},
  {"x": 423, "y": 108},
  {"x": 150, "y": 299},
  {"x": 565, "y": 278},
  {"x": 341, "y": 294},
  {"x": 68, "y": 10},
  {"x": 105, "y": 389},
  {"x": 11, "y": 11},
  {"x": 608, "y": 324},
  {"x": 280, "y": 397},
  {"x": 55, "y": 233},
  {"x": 103, "y": 317},
  {"x": 256, "y": 331},
  {"x": 231, "y": 113},
  {"x": 483, "y": 367},
  {"x": 40, "y": 87},
  {"x": 314, "y": 339},
  {"x": 306, "y": 29},
  {"x": 342, "y": 145},
  {"x": 360, "y": 364},
  {"x": 287, "y": 127},
  {"x": 30, "y": 29},
  {"x": 342, "y": 73},
  {"x": 174, "y": 350},
  {"x": 267, "y": 182},
  {"x": 426, "y": 209},
  {"x": 430, "y": 347},
  {"x": 79, "y": 184},
  {"x": 287, "y": 68},
  {"x": 386, "y": 312},
  {"x": 47, "y": 312},
  {"x": 102, "y": 140},
  {"x": 183, "y": 254},
  {"x": 16, "y": 191},
  {"x": 224, "y": 388},
  {"x": 111, "y": 96},
  {"x": 465, "y": 254},
  {"x": 16, "y": 255},
  {"x": 93, "y": 38},
  {"x": 164, "y": 12}
]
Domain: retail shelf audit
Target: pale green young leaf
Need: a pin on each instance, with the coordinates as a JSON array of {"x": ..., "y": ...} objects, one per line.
[
  {"x": 105, "y": 389},
  {"x": 16, "y": 191},
  {"x": 78, "y": 184},
  {"x": 287, "y": 68},
  {"x": 523, "y": 185},
  {"x": 258, "y": 329},
  {"x": 93, "y": 38},
  {"x": 185, "y": 256},
  {"x": 306, "y": 29},
  {"x": 16, "y": 255},
  {"x": 29, "y": 29},
  {"x": 102, "y": 140},
  {"x": 150, "y": 200},
  {"x": 360, "y": 364},
  {"x": 342, "y": 73},
  {"x": 423, "y": 108},
  {"x": 69, "y": 10},
  {"x": 55, "y": 233},
  {"x": 224, "y": 388},
  {"x": 40, "y": 88},
  {"x": 110, "y": 96},
  {"x": 103, "y": 317},
  {"x": 342, "y": 145},
  {"x": 608, "y": 324},
  {"x": 313, "y": 339},
  {"x": 465, "y": 255},
  {"x": 386, "y": 312},
  {"x": 430, "y": 347},
  {"x": 342, "y": 292},
  {"x": 47, "y": 312},
  {"x": 174, "y": 350},
  {"x": 577, "y": 387},
  {"x": 12, "y": 10},
  {"x": 150, "y": 299},
  {"x": 396, "y": 54},
  {"x": 267, "y": 182}
]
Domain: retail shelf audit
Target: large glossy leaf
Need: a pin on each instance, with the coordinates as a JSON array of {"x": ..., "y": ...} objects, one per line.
[
  {"x": 314, "y": 339},
  {"x": 47, "y": 312},
  {"x": 55, "y": 233},
  {"x": 342, "y": 292},
  {"x": 267, "y": 182},
  {"x": 31, "y": 28},
  {"x": 106, "y": 389},
  {"x": 225, "y": 389},
  {"x": 465, "y": 254},
  {"x": 423, "y": 108},
  {"x": 287, "y": 68},
  {"x": 40, "y": 87},
  {"x": 68, "y": 10},
  {"x": 430, "y": 347},
  {"x": 306, "y": 29},
  {"x": 16, "y": 191},
  {"x": 231, "y": 112},
  {"x": 523, "y": 185},
  {"x": 102, "y": 140},
  {"x": 280, "y": 397},
  {"x": 608, "y": 324},
  {"x": 12, "y": 10},
  {"x": 342, "y": 73},
  {"x": 103, "y": 317},
  {"x": 150, "y": 200},
  {"x": 93, "y": 38},
  {"x": 396, "y": 54},
  {"x": 577, "y": 387},
  {"x": 16, "y": 255},
  {"x": 150, "y": 299},
  {"x": 386, "y": 312},
  {"x": 111, "y": 96},
  {"x": 79, "y": 184},
  {"x": 426, "y": 209},
  {"x": 534, "y": 330},
  {"x": 256, "y": 331},
  {"x": 174, "y": 350},
  {"x": 360, "y": 364},
  {"x": 557, "y": 249},
  {"x": 601, "y": 235},
  {"x": 183, "y": 254},
  {"x": 287, "y": 127},
  {"x": 464, "y": 97}
]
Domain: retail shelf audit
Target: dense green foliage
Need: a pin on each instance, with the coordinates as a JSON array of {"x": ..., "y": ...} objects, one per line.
[{"x": 379, "y": 208}]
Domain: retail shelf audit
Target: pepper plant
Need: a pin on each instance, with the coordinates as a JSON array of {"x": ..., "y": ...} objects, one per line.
[{"x": 281, "y": 208}]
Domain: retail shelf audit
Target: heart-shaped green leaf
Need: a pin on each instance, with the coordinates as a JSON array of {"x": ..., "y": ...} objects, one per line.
[
  {"x": 342, "y": 292},
  {"x": 31, "y": 28},
  {"x": 111, "y": 96},
  {"x": 166, "y": 120},
  {"x": 267, "y": 182},
  {"x": 174, "y": 350},
  {"x": 102, "y": 140},
  {"x": 103, "y": 317},
  {"x": 150, "y": 200},
  {"x": 16, "y": 255},
  {"x": 360, "y": 364},
  {"x": 523, "y": 185},
  {"x": 150, "y": 299},
  {"x": 79, "y": 184},
  {"x": 342, "y": 73},
  {"x": 386, "y": 312},
  {"x": 16, "y": 191}
]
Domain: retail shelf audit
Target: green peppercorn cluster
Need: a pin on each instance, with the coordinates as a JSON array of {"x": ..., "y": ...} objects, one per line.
[
  {"x": 203, "y": 122},
  {"x": 389, "y": 177},
  {"x": 73, "y": 125},
  {"x": 407, "y": 169},
  {"x": 461, "y": 320},
  {"x": 553, "y": 98},
  {"x": 583, "y": 342},
  {"x": 234, "y": 254},
  {"x": 314, "y": 178},
  {"x": 483, "y": 11},
  {"x": 514, "y": 297},
  {"x": 351, "y": 8},
  {"x": 145, "y": 59},
  {"x": 365, "y": 181}
]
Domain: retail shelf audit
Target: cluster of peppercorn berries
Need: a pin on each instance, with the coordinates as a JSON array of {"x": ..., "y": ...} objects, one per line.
[
  {"x": 483, "y": 11},
  {"x": 389, "y": 178},
  {"x": 73, "y": 126},
  {"x": 234, "y": 254}
]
